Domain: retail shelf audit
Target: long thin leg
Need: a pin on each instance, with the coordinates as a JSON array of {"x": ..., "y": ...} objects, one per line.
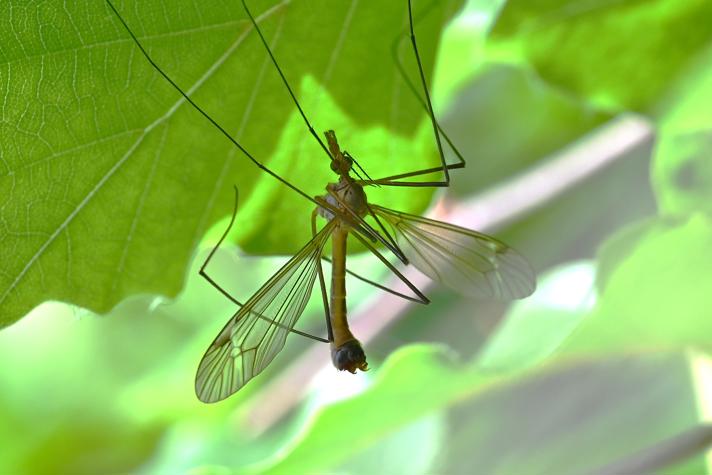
[
  {"x": 388, "y": 235},
  {"x": 372, "y": 232},
  {"x": 377, "y": 285},
  {"x": 427, "y": 105},
  {"x": 358, "y": 166},
  {"x": 214, "y": 250},
  {"x": 393, "y": 245},
  {"x": 389, "y": 181},
  {"x": 395, "y": 46},
  {"x": 190, "y": 101},
  {"x": 284, "y": 80},
  {"x": 421, "y": 298},
  {"x": 322, "y": 285},
  {"x": 212, "y": 282},
  {"x": 427, "y": 95}
]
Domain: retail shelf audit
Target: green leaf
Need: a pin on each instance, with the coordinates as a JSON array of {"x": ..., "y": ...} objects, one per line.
[
  {"x": 85, "y": 365},
  {"x": 658, "y": 295},
  {"x": 463, "y": 50},
  {"x": 682, "y": 170},
  {"x": 580, "y": 416},
  {"x": 618, "y": 247},
  {"x": 683, "y": 108},
  {"x": 397, "y": 397},
  {"x": 412, "y": 450},
  {"x": 618, "y": 54},
  {"x": 509, "y": 120},
  {"x": 109, "y": 180},
  {"x": 535, "y": 327}
]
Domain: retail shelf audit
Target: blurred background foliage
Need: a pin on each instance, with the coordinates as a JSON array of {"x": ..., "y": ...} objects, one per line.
[{"x": 605, "y": 369}]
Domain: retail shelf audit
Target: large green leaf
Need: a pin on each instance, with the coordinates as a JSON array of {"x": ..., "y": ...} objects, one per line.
[
  {"x": 621, "y": 54},
  {"x": 658, "y": 294},
  {"x": 109, "y": 180}
]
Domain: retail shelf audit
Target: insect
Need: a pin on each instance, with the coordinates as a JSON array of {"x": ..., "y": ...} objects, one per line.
[{"x": 467, "y": 261}]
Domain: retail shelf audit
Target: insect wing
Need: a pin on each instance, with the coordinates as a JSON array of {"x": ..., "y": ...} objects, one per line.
[
  {"x": 469, "y": 262},
  {"x": 256, "y": 333}
]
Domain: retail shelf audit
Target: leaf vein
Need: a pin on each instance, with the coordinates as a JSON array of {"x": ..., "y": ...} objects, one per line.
[{"x": 100, "y": 184}]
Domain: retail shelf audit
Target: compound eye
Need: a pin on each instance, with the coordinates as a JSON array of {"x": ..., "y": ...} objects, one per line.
[{"x": 334, "y": 166}]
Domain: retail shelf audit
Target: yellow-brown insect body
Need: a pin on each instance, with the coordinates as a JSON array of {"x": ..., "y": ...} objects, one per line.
[
  {"x": 349, "y": 198},
  {"x": 346, "y": 351}
]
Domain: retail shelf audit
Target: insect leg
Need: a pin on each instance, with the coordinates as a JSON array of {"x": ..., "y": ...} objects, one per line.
[
  {"x": 204, "y": 274},
  {"x": 322, "y": 284},
  {"x": 186, "y": 96},
  {"x": 212, "y": 282},
  {"x": 284, "y": 80},
  {"x": 377, "y": 285},
  {"x": 401, "y": 70},
  {"x": 427, "y": 105},
  {"x": 421, "y": 297},
  {"x": 427, "y": 93}
]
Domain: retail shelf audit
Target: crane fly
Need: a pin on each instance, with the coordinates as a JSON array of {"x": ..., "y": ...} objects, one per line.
[{"x": 469, "y": 262}]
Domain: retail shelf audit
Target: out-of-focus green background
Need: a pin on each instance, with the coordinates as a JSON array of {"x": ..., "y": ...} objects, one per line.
[{"x": 587, "y": 131}]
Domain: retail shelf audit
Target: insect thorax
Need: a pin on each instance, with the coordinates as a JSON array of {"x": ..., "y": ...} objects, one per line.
[{"x": 345, "y": 195}]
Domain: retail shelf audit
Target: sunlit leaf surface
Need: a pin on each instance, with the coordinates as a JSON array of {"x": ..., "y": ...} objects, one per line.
[
  {"x": 668, "y": 272},
  {"x": 108, "y": 180},
  {"x": 620, "y": 54}
]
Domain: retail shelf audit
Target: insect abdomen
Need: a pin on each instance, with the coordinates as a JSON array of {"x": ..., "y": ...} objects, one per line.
[{"x": 346, "y": 351}]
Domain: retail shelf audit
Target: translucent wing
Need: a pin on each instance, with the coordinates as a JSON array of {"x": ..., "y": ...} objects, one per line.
[
  {"x": 469, "y": 262},
  {"x": 256, "y": 333}
]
